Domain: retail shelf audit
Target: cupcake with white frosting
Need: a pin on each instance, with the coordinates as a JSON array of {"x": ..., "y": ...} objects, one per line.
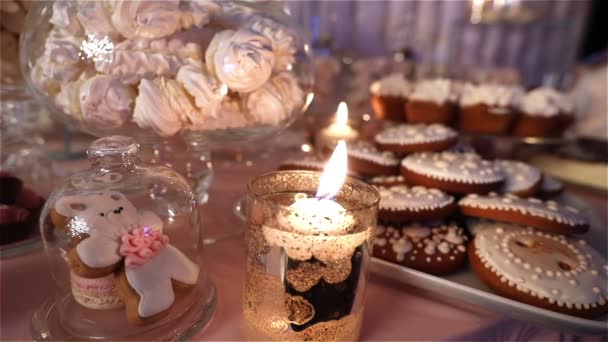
[
  {"x": 488, "y": 108},
  {"x": 389, "y": 96},
  {"x": 433, "y": 101},
  {"x": 546, "y": 112}
]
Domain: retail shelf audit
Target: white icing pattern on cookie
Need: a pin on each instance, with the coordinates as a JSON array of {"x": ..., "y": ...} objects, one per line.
[
  {"x": 549, "y": 210},
  {"x": 415, "y": 134},
  {"x": 550, "y": 267},
  {"x": 367, "y": 151},
  {"x": 417, "y": 198},
  {"x": 433, "y": 242},
  {"x": 466, "y": 168},
  {"x": 519, "y": 176}
]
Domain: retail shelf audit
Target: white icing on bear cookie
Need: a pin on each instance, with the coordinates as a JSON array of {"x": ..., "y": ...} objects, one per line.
[
  {"x": 535, "y": 207},
  {"x": 415, "y": 134},
  {"x": 563, "y": 271},
  {"x": 519, "y": 176},
  {"x": 466, "y": 168},
  {"x": 367, "y": 151},
  {"x": 416, "y": 198}
]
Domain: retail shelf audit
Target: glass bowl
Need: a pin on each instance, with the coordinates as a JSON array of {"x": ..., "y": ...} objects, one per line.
[
  {"x": 218, "y": 71},
  {"x": 123, "y": 242}
]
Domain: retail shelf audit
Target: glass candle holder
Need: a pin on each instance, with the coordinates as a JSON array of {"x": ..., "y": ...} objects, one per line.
[{"x": 306, "y": 265}]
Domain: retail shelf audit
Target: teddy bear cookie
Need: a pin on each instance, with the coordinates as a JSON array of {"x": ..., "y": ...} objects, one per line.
[
  {"x": 432, "y": 249},
  {"x": 124, "y": 252},
  {"x": 542, "y": 269},
  {"x": 366, "y": 159},
  {"x": 521, "y": 179},
  {"x": 406, "y": 138},
  {"x": 460, "y": 173},
  {"x": 545, "y": 215},
  {"x": 402, "y": 203},
  {"x": 386, "y": 181}
]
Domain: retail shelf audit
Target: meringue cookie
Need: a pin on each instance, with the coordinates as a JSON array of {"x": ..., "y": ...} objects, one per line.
[
  {"x": 95, "y": 18},
  {"x": 292, "y": 95},
  {"x": 283, "y": 42},
  {"x": 153, "y": 110},
  {"x": 105, "y": 102},
  {"x": 146, "y": 19},
  {"x": 230, "y": 116},
  {"x": 198, "y": 13},
  {"x": 60, "y": 61},
  {"x": 180, "y": 101},
  {"x": 243, "y": 60},
  {"x": 545, "y": 101},
  {"x": 205, "y": 90},
  {"x": 64, "y": 16},
  {"x": 68, "y": 98},
  {"x": 274, "y": 101},
  {"x": 490, "y": 94},
  {"x": 157, "y": 58}
]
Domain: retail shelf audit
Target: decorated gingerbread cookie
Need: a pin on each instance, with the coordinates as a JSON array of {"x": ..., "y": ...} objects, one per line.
[
  {"x": 366, "y": 159},
  {"x": 541, "y": 269},
  {"x": 546, "y": 215},
  {"x": 406, "y": 138},
  {"x": 386, "y": 181},
  {"x": 402, "y": 203},
  {"x": 431, "y": 249},
  {"x": 550, "y": 187},
  {"x": 129, "y": 243},
  {"x": 521, "y": 179},
  {"x": 460, "y": 173}
]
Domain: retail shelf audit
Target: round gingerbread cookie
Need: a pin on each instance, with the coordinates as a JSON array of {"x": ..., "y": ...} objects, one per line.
[
  {"x": 435, "y": 250},
  {"x": 550, "y": 187},
  {"x": 521, "y": 179},
  {"x": 401, "y": 203},
  {"x": 547, "y": 215},
  {"x": 307, "y": 162},
  {"x": 366, "y": 159},
  {"x": 541, "y": 269},
  {"x": 460, "y": 173},
  {"x": 386, "y": 181},
  {"x": 416, "y": 138}
]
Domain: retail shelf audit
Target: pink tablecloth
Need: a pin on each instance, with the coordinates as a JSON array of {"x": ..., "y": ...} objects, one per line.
[{"x": 393, "y": 311}]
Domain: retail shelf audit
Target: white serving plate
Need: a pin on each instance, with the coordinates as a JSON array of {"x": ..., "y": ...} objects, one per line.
[{"x": 466, "y": 286}]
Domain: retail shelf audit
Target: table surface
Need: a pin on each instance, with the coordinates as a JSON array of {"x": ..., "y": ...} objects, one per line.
[{"x": 393, "y": 311}]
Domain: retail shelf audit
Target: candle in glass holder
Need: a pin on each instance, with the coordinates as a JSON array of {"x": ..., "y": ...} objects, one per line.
[
  {"x": 329, "y": 136},
  {"x": 309, "y": 243}
]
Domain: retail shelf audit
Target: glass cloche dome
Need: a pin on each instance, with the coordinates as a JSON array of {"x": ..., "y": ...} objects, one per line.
[
  {"x": 222, "y": 70},
  {"x": 123, "y": 242}
]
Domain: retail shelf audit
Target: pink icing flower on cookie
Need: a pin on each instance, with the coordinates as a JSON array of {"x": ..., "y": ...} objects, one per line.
[{"x": 141, "y": 245}]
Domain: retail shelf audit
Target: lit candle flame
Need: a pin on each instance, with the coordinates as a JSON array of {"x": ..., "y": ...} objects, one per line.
[
  {"x": 342, "y": 114},
  {"x": 334, "y": 173},
  {"x": 223, "y": 90}
]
